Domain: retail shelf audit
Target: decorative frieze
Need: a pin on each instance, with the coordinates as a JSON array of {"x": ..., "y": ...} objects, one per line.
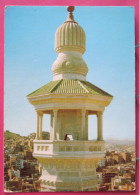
[{"x": 68, "y": 185}]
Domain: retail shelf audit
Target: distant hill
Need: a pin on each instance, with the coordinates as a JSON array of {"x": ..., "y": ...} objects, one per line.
[
  {"x": 10, "y": 135},
  {"x": 32, "y": 136},
  {"x": 46, "y": 136},
  {"x": 120, "y": 142}
]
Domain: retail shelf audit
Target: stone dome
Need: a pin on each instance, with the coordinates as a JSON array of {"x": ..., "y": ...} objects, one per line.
[
  {"x": 70, "y": 44},
  {"x": 70, "y": 36}
]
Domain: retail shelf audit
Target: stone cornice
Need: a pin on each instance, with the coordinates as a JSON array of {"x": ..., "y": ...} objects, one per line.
[
  {"x": 63, "y": 96},
  {"x": 72, "y": 155}
]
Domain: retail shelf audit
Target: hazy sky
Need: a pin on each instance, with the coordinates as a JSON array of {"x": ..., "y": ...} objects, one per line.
[{"x": 29, "y": 55}]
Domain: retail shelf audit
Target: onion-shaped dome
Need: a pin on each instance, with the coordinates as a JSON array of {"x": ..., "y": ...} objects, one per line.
[
  {"x": 70, "y": 36},
  {"x": 70, "y": 62},
  {"x": 70, "y": 44}
]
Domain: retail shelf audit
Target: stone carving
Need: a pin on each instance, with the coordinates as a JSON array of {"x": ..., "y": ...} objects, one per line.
[{"x": 42, "y": 148}]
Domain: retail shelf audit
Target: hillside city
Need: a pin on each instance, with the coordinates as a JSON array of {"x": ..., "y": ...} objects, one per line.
[{"x": 116, "y": 172}]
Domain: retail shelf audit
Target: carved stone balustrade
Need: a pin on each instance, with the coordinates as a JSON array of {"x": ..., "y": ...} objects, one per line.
[{"x": 68, "y": 148}]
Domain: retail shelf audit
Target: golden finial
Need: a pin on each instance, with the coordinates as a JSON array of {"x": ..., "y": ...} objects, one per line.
[{"x": 70, "y": 9}]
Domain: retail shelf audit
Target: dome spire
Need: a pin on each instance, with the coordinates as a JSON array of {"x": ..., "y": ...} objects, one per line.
[
  {"x": 70, "y": 44},
  {"x": 70, "y": 9}
]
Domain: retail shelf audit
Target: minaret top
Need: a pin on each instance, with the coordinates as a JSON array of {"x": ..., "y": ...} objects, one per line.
[
  {"x": 70, "y": 44},
  {"x": 70, "y": 35},
  {"x": 70, "y": 9}
]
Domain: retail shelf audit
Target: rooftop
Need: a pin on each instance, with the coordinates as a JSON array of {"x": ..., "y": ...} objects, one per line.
[{"x": 69, "y": 86}]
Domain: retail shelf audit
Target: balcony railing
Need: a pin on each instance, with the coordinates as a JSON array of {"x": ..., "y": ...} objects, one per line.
[{"x": 74, "y": 146}]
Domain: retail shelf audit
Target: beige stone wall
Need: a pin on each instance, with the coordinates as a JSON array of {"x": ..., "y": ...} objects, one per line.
[
  {"x": 70, "y": 122},
  {"x": 68, "y": 174}
]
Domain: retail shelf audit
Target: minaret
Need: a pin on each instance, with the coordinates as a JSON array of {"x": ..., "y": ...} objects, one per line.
[{"x": 69, "y": 165}]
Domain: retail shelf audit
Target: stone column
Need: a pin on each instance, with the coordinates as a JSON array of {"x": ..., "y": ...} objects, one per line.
[
  {"x": 51, "y": 126},
  {"x": 100, "y": 126},
  {"x": 40, "y": 125},
  {"x": 37, "y": 133},
  {"x": 86, "y": 126},
  {"x": 54, "y": 134},
  {"x": 83, "y": 123}
]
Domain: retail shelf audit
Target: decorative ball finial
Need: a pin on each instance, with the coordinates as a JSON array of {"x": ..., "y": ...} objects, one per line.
[
  {"x": 70, "y": 8},
  {"x": 70, "y": 17}
]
